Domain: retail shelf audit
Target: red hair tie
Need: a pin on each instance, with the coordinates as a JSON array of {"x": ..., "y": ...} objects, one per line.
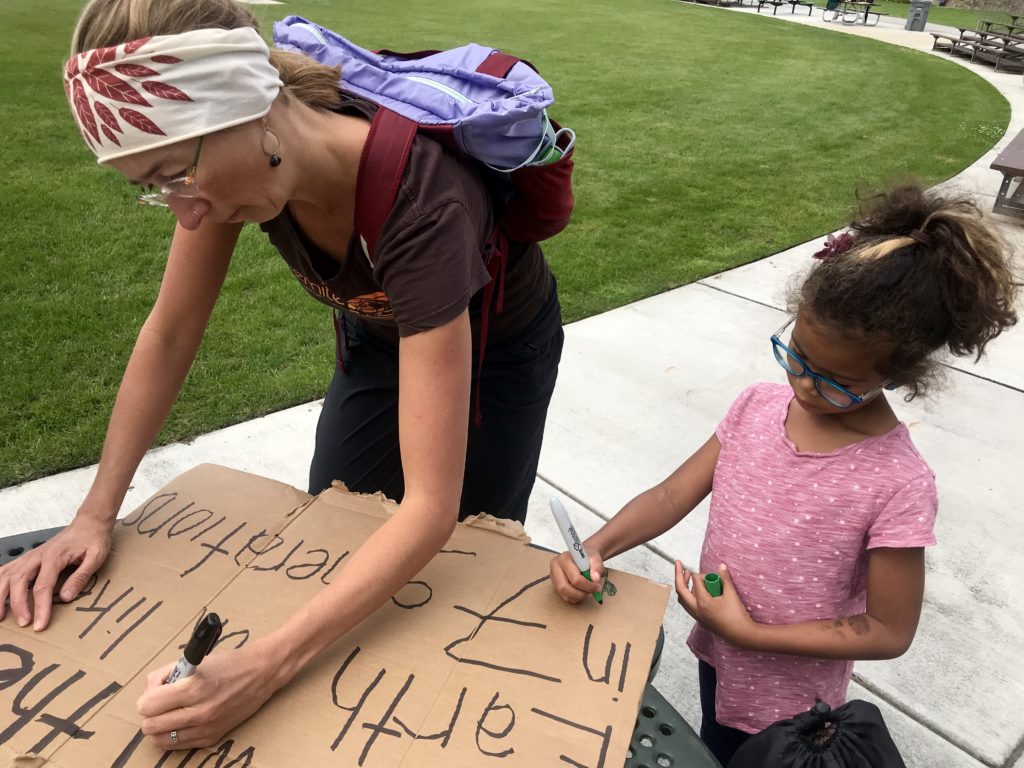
[{"x": 835, "y": 246}]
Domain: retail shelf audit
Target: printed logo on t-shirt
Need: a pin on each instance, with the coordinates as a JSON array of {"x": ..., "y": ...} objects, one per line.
[{"x": 373, "y": 306}]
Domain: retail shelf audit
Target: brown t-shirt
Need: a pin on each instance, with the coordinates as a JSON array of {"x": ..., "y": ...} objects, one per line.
[{"x": 429, "y": 264}]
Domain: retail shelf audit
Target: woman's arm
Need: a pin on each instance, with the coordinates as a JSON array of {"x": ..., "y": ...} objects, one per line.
[
  {"x": 163, "y": 353},
  {"x": 434, "y": 396},
  {"x": 884, "y": 631},
  {"x": 433, "y": 408},
  {"x": 645, "y": 517}
]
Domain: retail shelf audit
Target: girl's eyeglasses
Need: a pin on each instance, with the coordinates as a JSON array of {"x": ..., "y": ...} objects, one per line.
[
  {"x": 183, "y": 186},
  {"x": 832, "y": 391}
]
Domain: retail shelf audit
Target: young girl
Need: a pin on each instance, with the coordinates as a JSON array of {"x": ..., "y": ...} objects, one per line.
[{"x": 821, "y": 506}]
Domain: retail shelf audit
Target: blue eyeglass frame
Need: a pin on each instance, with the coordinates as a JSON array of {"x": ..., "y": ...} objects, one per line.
[{"x": 781, "y": 352}]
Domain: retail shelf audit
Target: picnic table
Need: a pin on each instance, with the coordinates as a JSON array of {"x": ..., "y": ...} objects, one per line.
[
  {"x": 848, "y": 12},
  {"x": 1010, "y": 163},
  {"x": 1011, "y": 28},
  {"x": 1005, "y": 51},
  {"x": 793, "y": 4}
]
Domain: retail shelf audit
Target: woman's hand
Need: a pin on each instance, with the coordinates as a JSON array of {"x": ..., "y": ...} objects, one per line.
[
  {"x": 725, "y": 615},
  {"x": 85, "y": 543},
  {"x": 572, "y": 585},
  {"x": 227, "y": 689}
]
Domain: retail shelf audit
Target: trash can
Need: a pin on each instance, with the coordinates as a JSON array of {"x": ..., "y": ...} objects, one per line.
[{"x": 917, "y": 16}]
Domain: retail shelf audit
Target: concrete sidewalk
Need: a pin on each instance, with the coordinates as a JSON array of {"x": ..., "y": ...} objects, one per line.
[{"x": 634, "y": 399}]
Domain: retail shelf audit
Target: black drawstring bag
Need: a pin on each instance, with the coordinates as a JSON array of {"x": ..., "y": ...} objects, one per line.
[{"x": 851, "y": 736}]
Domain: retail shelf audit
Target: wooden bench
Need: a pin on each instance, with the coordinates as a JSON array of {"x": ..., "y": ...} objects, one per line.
[
  {"x": 1007, "y": 57},
  {"x": 964, "y": 45},
  {"x": 1010, "y": 163},
  {"x": 794, "y": 3},
  {"x": 1003, "y": 51},
  {"x": 986, "y": 26},
  {"x": 943, "y": 47}
]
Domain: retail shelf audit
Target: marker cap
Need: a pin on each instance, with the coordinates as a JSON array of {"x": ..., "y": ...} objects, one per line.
[
  {"x": 204, "y": 637},
  {"x": 713, "y": 583}
]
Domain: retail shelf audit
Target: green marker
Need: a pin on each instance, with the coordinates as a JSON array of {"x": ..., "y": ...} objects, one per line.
[
  {"x": 572, "y": 541},
  {"x": 713, "y": 584}
]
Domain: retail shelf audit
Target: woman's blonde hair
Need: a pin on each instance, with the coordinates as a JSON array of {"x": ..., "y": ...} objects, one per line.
[{"x": 111, "y": 22}]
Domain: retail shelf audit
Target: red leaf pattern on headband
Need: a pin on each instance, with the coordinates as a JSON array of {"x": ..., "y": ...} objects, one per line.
[
  {"x": 163, "y": 59},
  {"x": 135, "y": 70},
  {"x": 140, "y": 121},
  {"x": 104, "y": 114},
  {"x": 67, "y": 90},
  {"x": 165, "y": 91},
  {"x": 85, "y": 116},
  {"x": 102, "y": 56},
  {"x": 71, "y": 68},
  {"x": 110, "y": 134},
  {"x": 108, "y": 84},
  {"x": 134, "y": 45}
]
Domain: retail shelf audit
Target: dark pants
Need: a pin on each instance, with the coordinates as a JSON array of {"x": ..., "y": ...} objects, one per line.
[
  {"x": 357, "y": 435},
  {"x": 722, "y": 740}
]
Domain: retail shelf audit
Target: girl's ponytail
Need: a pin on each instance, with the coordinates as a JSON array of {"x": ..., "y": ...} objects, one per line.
[{"x": 976, "y": 286}]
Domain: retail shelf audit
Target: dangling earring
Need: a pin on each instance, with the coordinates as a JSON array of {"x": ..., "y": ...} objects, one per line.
[{"x": 275, "y": 159}]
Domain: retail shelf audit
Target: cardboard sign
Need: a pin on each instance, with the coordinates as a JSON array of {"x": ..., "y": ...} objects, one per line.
[{"x": 475, "y": 662}]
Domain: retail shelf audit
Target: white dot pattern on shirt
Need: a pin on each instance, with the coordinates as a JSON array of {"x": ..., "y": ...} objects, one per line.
[{"x": 825, "y": 581}]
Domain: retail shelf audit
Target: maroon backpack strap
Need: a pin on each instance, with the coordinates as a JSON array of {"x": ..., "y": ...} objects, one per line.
[
  {"x": 496, "y": 250},
  {"x": 380, "y": 172},
  {"x": 381, "y": 166},
  {"x": 499, "y": 64}
]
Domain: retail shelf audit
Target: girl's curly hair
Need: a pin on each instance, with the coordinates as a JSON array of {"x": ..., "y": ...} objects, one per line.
[{"x": 924, "y": 272}]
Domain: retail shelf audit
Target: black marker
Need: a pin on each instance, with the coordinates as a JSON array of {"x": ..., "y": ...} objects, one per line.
[{"x": 204, "y": 637}]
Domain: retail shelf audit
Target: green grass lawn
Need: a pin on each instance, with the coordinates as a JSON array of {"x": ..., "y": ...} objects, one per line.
[
  {"x": 951, "y": 17},
  {"x": 706, "y": 140}
]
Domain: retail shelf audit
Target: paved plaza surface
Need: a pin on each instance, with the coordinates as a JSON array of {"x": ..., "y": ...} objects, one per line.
[{"x": 642, "y": 386}]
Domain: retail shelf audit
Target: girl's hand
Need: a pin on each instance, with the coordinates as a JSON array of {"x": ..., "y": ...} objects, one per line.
[
  {"x": 81, "y": 547},
  {"x": 725, "y": 615},
  {"x": 227, "y": 689},
  {"x": 572, "y": 585}
]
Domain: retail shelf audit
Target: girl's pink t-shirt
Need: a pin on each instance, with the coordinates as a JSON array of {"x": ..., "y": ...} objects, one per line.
[{"x": 795, "y": 528}]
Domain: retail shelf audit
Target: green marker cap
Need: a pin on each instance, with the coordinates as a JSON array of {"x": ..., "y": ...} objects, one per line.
[
  {"x": 713, "y": 584},
  {"x": 599, "y": 595}
]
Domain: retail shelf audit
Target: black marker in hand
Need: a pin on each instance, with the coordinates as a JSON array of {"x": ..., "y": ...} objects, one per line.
[{"x": 204, "y": 637}]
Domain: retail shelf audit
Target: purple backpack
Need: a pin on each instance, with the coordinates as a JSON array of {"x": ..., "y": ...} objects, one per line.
[
  {"x": 484, "y": 103},
  {"x": 487, "y": 104}
]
